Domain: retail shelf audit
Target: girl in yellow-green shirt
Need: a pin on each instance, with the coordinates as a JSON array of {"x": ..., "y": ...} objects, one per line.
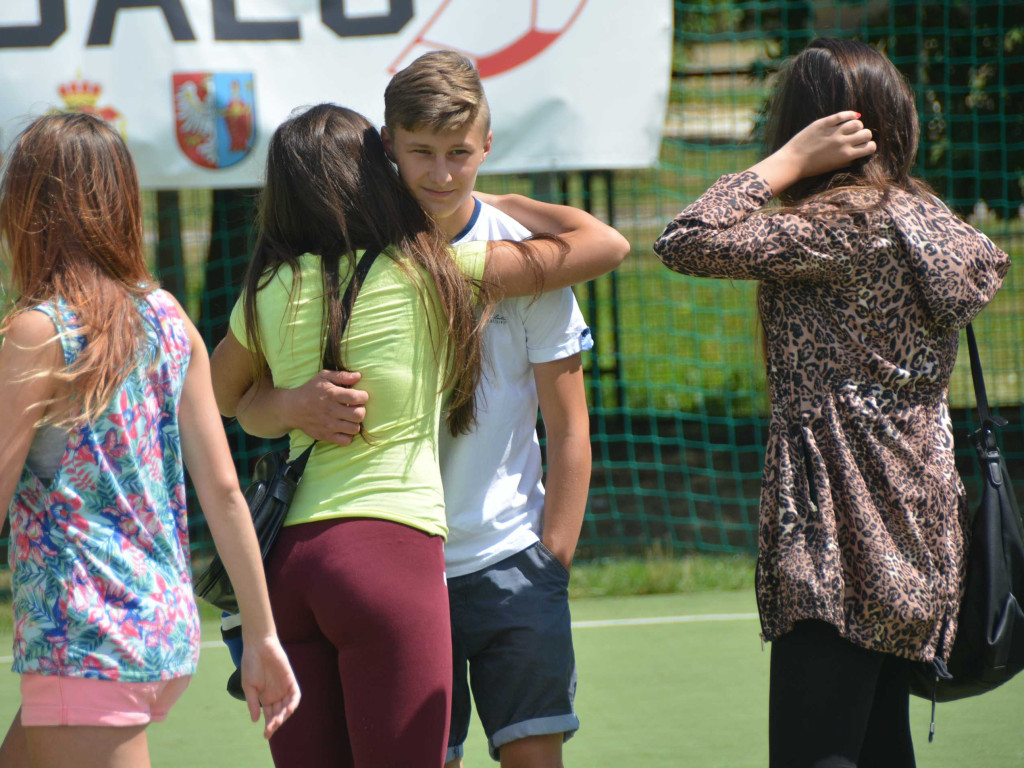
[{"x": 357, "y": 576}]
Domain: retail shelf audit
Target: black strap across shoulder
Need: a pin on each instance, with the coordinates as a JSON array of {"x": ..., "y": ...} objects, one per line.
[
  {"x": 985, "y": 417},
  {"x": 352, "y": 290},
  {"x": 348, "y": 301}
]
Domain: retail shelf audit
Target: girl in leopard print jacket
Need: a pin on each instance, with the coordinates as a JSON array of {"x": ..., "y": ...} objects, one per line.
[{"x": 865, "y": 282}]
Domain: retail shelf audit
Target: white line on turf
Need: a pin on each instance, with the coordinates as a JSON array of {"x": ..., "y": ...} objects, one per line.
[
  {"x": 639, "y": 622},
  {"x": 664, "y": 620}
]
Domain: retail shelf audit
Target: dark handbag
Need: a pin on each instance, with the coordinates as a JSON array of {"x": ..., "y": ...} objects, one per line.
[
  {"x": 270, "y": 493},
  {"x": 989, "y": 646}
]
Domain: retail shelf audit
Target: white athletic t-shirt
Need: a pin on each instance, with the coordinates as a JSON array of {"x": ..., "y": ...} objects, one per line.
[{"x": 493, "y": 490}]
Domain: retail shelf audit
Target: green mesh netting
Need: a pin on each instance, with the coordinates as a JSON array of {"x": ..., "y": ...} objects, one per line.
[{"x": 676, "y": 382}]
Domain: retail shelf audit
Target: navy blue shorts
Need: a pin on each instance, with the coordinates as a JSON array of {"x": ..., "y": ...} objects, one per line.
[{"x": 511, "y": 628}]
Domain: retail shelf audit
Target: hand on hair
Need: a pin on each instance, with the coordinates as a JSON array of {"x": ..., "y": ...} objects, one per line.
[
  {"x": 825, "y": 145},
  {"x": 830, "y": 143}
]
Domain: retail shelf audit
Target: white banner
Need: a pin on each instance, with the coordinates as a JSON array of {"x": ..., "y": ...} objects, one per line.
[{"x": 198, "y": 86}]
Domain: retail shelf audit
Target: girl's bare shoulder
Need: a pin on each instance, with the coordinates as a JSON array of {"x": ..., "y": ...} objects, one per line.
[{"x": 29, "y": 329}]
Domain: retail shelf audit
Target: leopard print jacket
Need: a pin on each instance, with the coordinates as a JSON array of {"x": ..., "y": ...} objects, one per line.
[{"x": 862, "y": 515}]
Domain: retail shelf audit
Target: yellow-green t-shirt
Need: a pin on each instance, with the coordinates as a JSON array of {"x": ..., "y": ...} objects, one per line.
[{"x": 393, "y": 339}]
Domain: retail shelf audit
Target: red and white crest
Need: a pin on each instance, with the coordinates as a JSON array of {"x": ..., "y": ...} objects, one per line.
[
  {"x": 214, "y": 116},
  {"x": 81, "y": 95}
]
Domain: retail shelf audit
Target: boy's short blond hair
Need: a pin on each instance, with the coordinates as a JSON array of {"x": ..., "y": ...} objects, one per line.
[{"x": 440, "y": 90}]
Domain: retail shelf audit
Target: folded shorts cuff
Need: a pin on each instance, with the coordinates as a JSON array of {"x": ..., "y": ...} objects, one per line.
[
  {"x": 567, "y": 725},
  {"x": 454, "y": 752}
]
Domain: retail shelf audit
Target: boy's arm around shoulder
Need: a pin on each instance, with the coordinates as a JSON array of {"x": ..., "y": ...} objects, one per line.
[{"x": 588, "y": 249}]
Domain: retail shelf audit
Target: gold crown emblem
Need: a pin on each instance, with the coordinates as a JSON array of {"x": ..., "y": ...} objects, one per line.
[{"x": 79, "y": 94}]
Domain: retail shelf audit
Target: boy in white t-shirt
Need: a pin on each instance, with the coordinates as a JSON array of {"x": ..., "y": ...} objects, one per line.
[
  {"x": 509, "y": 548},
  {"x": 511, "y": 542}
]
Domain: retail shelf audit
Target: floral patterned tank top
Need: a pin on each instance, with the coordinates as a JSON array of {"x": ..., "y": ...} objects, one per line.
[{"x": 99, "y": 556}]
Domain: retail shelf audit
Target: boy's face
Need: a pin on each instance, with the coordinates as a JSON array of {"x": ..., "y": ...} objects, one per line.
[{"x": 440, "y": 168}]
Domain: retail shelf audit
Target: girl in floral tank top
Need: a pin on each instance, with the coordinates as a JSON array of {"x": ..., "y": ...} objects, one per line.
[
  {"x": 98, "y": 370},
  {"x": 113, "y": 517}
]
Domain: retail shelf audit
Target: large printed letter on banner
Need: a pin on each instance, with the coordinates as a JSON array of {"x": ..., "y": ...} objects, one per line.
[
  {"x": 399, "y": 14},
  {"x": 106, "y": 16},
  {"x": 197, "y": 87},
  {"x": 51, "y": 25},
  {"x": 227, "y": 25}
]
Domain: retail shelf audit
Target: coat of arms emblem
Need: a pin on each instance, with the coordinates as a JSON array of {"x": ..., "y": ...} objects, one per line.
[
  {"x": 81, "y": 95},
  {"x": 214, "y": 116}
]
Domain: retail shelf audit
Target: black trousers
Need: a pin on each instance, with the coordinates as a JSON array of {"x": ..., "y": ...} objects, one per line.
[{"x": 833, "y": 704}]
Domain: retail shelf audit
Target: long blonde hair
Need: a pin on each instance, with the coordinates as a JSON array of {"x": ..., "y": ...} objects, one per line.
[{"x": 71, "y": 229}]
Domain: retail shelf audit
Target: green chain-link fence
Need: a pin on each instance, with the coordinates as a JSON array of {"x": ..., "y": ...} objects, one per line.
[
  {"x": 679, "y": 411},
  {"x": 676, "y": 381}
]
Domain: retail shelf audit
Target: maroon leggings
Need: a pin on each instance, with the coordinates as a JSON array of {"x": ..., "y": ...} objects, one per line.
[{"x": 362, "y": 611}]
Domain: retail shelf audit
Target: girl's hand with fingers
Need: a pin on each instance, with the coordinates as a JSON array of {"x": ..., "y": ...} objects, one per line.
[
  {"x": 825, "y": 145},
  {"x": 830, "y": 143},
  {"x": 268, "y": 682}
]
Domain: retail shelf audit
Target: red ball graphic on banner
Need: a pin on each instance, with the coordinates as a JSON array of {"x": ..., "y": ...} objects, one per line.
[{"x": 540, "y": 24}]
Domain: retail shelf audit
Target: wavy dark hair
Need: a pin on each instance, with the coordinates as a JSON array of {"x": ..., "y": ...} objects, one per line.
[
  {"x": 331, "y": 191},
  {"x": 832, "y": 75},
  {"x": 71, "y": 229}
]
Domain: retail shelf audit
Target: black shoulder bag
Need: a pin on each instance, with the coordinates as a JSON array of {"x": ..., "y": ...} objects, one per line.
[
  {"x": 273, "y": 484},
  {"x": 989, "y": 646}
]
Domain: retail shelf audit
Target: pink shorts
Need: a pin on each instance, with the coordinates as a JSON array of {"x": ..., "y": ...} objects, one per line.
[{"x": 57, "y": 700}]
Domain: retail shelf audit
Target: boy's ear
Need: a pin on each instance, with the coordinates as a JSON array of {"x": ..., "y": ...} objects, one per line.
[
  {"x": 389, "y": 146},
  {"x": 487, "y": 143}
]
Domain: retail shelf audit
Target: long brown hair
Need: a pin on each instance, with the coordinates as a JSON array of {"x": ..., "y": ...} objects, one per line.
[
  {"x": 832, "y": 75},
  {"x": 71, "y": 228},
  {"x": 331, "y": 191}
]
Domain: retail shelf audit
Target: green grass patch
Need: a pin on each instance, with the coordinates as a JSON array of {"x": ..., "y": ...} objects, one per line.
[{"x": 660, "y": 574}]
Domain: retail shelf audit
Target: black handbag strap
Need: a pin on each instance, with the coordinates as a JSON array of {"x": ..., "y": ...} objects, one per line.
[
  {"x": 985, "y": 418},
  {"x": 348, "y": 302},
  {"x": 348, "y": 299}
]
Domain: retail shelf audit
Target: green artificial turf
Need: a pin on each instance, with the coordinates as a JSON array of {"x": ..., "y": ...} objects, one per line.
[{"x": 688, "y": 693}]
